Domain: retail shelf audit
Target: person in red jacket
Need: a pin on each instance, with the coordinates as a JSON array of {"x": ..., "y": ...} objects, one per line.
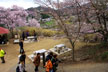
[{"x": 49, "y": 66}]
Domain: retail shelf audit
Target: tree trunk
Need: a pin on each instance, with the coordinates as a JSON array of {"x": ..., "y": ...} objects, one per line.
[
  {"x": 73, "y": 52},
  {"x": 105, "y": 38},
  {"x": 12, "y": 33},
  {"x": 73, "y": 47}
]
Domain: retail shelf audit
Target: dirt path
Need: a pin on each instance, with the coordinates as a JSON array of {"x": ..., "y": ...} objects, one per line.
[
  {"x": 85, "y": 67},
  {"x": 13, "y": 52}
]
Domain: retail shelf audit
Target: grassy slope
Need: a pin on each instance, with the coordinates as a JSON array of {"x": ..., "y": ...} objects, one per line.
[
  {"x": 42, "y": 44},
  {"x": 50, "y": 22}
]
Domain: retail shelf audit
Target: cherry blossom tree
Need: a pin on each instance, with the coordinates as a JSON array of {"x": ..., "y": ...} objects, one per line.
[
  {"x": 15, "y": 17},
  {"x": 34, "y": 23}
]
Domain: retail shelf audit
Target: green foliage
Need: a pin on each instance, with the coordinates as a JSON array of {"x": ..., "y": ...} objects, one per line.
[
  {"x": 2, "y": 25},
  {"x": 44, "y": 16},
  {"x": 50, "y": 22},
  {"x": 104, "y": 56}
]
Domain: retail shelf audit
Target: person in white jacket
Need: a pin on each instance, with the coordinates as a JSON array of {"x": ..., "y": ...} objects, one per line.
[{"x": 21, "y": 66}]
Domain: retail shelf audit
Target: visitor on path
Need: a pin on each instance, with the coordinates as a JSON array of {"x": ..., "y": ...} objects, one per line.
[
  {"x": 27, "y": 34},
  {"x": 49, "y": 56},
  {"x": 37, "y": 62},
  {"x": 3, "y": 39},
  {"x": 35, "y": 35},
  {"x": 23, "y": 35},
  {"x": 49, "y": 66},
  {"x": 2, "y": 53},
  {"x": 54, "y": 61},
  {"x": 21, "y": 46},
  {"x": 21, "y": 67},
  {"x": 22, "y": 57}
]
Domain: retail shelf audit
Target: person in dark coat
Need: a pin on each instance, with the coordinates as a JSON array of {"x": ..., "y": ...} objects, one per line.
[
  {"x": 37, "y": 62},
  {"x": 54, "y": 61},
  {"x": 23, "y": 35},
  {"x": 22, "y": 57},
  {"x": 49, "y": 56},
  {"x": 21, "y": 46},
  {"x": 3, "y": 39},
  {"x": 35, "y": 35}
]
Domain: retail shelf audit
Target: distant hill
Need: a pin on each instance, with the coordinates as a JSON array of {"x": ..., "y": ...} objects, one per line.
[{"x": 39, "y": 9}]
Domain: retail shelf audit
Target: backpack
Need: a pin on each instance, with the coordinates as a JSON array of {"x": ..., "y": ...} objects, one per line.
[{"x": 17, "y": 69}]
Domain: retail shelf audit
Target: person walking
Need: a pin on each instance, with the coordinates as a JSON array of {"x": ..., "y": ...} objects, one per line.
[
  {"x": 22, "y": 57},
  {"x": 49, "y": 65},
  {"x": 21, "y": 46},
  {"x": 54, "y": 61},
  {"x": 23, "y": 35},
  {"x": 35, "y": 35},
  {"x": 21, "y": 66},
  {"x": 37, "y": 62},
  {"x": 2, "y": 53}
]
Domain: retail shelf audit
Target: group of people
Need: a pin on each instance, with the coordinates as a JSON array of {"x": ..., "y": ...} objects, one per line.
[
  {"x": 26, "y": 34},
  {"x": 51, "y": 62},
  {"x": 22, "y": 58},
  {"x": 3, "y": 39}
]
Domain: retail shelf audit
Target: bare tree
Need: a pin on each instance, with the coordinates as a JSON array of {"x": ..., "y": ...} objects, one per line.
[
  {"x": 63, "y": 14},
  {"x": 96, "y": 14}
]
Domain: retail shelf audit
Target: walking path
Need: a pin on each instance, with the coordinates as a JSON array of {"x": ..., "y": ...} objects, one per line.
[
  {"x": 87, "y": 67},
  {"x": 13, "y": 52}
]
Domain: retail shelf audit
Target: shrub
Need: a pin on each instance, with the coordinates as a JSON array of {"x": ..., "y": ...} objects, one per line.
[
  {"x": 48, "y": 33},
  {"x": 44, "y": 16},
  {"x": 89, "y": 37},
  {"x": 104, "y": 56},
  {"x": 39, "y": 31}
]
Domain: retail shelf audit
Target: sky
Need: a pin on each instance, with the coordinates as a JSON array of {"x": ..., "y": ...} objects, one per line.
[{"x": 22, "y": 3}]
